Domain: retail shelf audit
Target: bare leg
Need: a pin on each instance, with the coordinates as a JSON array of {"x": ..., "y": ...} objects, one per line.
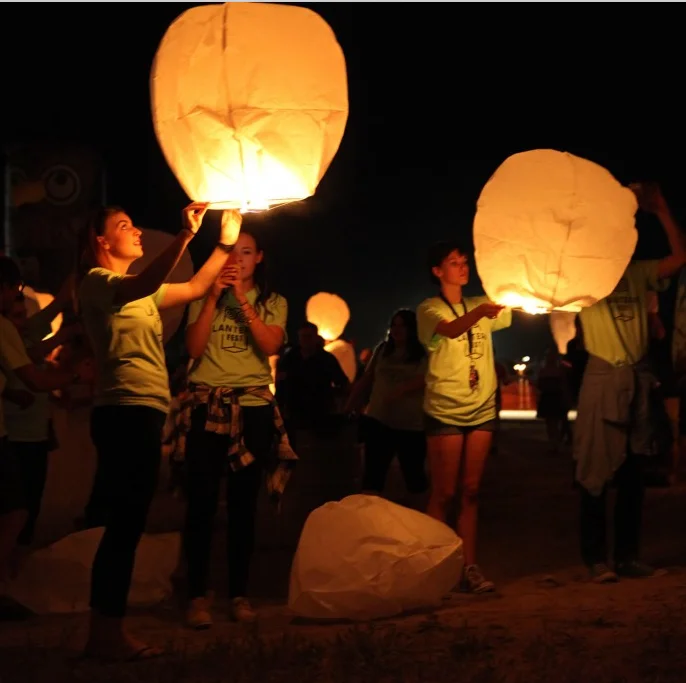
[
  {"x": 477, "y": 447},
  {"x": 444, "y": 452}
]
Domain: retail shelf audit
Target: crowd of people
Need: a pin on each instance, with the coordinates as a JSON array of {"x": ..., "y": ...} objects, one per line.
[{"x": 428, "y": 394}]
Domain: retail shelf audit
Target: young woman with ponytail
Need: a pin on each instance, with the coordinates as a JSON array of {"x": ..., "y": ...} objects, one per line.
[{"x": 120, "y": 314}]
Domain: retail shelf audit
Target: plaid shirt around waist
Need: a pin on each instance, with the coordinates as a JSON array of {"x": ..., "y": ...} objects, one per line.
[{"x": 225, "y": 416}]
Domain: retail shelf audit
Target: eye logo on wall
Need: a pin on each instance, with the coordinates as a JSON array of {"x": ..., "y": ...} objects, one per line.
[{"x": 62, "y": 185}]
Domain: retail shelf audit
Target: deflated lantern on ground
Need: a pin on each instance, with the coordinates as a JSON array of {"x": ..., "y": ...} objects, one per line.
[
  {"x": 331, "y": 314},
  {"x": 553, "y": 231},
  {"x": 249, "y": 103},
  {"x": 365, "y": 558}
]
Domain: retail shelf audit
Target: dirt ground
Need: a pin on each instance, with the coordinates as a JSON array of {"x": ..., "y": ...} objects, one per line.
[{"x": 546, "y": 622}]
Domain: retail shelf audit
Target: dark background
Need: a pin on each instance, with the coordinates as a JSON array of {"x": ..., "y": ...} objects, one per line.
[{"x": 440, "y": 94}]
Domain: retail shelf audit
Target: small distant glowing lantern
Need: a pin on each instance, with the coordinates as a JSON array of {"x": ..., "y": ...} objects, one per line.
[
  {"x": 553, "y": 231},
  {"x": 520, "y": 369},
  {"x": 37, "y": 301},
  {"x": 331, "y": 314},
  {"x": 249, "y": 103},
  {"x": 563, "y": 328},
  {"x": 154, "y": 243}
]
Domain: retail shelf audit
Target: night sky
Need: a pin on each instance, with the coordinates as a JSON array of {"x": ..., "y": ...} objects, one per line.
[{"x": 440, "y": 95}]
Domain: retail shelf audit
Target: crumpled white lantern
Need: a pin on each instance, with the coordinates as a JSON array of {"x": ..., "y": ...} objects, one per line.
[
  {"x": 249, "y": 102},
  {"x": 553, "y": 231},
  {"x": 366, "y": 558}
]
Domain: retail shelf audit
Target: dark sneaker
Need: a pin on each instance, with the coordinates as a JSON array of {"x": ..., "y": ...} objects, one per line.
[
  {"x": 601, "y": 573},
  {"x": 633, "y": 569},
  {"x": 473, "y": 581}
]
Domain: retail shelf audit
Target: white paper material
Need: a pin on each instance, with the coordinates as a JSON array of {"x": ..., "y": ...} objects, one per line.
[
  {"x": 553, "y": 230},
  {"x": 249, "y": 102},
  {"x": 329, "y": 313},
  {"x": 56, "y": 579},
  {"x": 366, "y": 558},
  {"x": 345, "y": 355},
  {"x": 154, "y": 243},
  {"x": 563, "y": 328}
]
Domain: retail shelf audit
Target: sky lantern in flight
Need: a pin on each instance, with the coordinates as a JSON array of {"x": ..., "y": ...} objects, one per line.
[
  {"x": 249, "y": 103},
  {"x": 330, "y": 313},
  {"x": 553, "y": 231}
]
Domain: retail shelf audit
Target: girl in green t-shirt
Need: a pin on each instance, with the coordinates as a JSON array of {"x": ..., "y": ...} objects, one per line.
[
  {"x": 120, "y": 313},
  {"x": 459, "y": 400},
  {"x": 231, "y": 418}
]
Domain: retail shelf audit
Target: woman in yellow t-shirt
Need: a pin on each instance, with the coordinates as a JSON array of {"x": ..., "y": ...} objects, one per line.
[
  {"x": 120, "y": 314},
  {"x": 459, "y": 400},
  {"x": 231, "y": 419}
]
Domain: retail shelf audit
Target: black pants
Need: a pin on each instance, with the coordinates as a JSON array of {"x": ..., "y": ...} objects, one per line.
[
  {"x": 32, "y": 461},
  {"x": 381, "y": 444},
  {"x": 128, "y": 441},
  {"x": 627, "y": 516},
  {"x": 206, "y": 461}
]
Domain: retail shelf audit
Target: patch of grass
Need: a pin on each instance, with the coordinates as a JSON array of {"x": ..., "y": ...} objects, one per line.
[{"x": 429, "y": 651}]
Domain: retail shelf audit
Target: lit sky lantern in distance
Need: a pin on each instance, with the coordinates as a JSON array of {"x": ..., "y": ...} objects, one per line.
[
  {"x": 552, "y": 231},
  {"x": 331, "y": 314},
  {"x": 37, "y": 301},
  {"x": 249, "y": 103}
]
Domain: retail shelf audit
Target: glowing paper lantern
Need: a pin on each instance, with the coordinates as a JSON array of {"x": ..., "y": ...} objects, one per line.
[
  {"x": 249, "y": 103},
  {"x": 155, "y": 242},
  {"x": 553, "y": 231},
  {"x": 331, "y": 314},
  {"x": 37, "y": 301},
  {"x": 563, "y": 328}
]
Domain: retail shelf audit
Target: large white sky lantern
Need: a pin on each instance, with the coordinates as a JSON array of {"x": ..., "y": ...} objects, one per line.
[
  {"x": 249, "y": 103},
  {"x": 552, "y": 231}
]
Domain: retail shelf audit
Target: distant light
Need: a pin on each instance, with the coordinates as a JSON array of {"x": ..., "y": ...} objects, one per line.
[{"x": 526, "y": 359}]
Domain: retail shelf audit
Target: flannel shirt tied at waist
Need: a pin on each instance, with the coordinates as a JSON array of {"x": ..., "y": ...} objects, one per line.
[{"x": 225, "y": 416}]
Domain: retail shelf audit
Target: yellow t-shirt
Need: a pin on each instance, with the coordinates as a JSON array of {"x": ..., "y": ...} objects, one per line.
[
  {"x": 616, "y": 328},
  {"x": 232, "y": 358},
  {"x": 29, "y": 424},
  {"x": 12, "y": 356},
  {"x": 127, "y": 343},
  {"x": 448, "y": 396}
]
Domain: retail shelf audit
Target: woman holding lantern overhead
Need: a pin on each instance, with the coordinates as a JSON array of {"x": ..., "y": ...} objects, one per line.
[
  {"x": 459, "y": 400},
  {"x": 231, "y": 418},
  {"x": 121, "y": 316}
]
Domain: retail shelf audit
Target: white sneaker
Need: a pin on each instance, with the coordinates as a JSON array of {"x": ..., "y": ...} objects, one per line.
[{"x": 241, "y": 610}]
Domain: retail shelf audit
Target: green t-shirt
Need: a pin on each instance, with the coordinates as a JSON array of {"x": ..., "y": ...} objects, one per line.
[
  {"x": 448, "y": 396},
  {"x": 29, "y": 424},
  {"x": 616, "y": 328},
  {"x": 12, "y": 356},
  {"x": 232, "y": 358},
  {"x": 405, "y": 412},
  {"x": 127, "y": 343}
]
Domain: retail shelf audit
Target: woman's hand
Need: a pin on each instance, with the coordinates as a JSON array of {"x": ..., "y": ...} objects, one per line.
[
  {"x": 233, "y": 278},
  {"x": 193, "y": 215},
  {"x": 490, "y": 310},
  {"x": 220, "y": 284},
  {"x": 231, "y": 227}
]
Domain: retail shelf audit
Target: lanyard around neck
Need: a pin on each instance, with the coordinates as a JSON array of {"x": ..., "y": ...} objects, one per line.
[{"x": 470, "y": 337}]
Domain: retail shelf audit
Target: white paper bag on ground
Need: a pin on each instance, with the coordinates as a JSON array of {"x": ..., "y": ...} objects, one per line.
[
  {"x": 56, "y": 579},
  {"x": 365, "y": 558}
]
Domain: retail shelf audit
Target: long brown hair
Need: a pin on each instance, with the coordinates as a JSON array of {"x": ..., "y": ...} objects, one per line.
[{"x": 87, "y": 244}]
